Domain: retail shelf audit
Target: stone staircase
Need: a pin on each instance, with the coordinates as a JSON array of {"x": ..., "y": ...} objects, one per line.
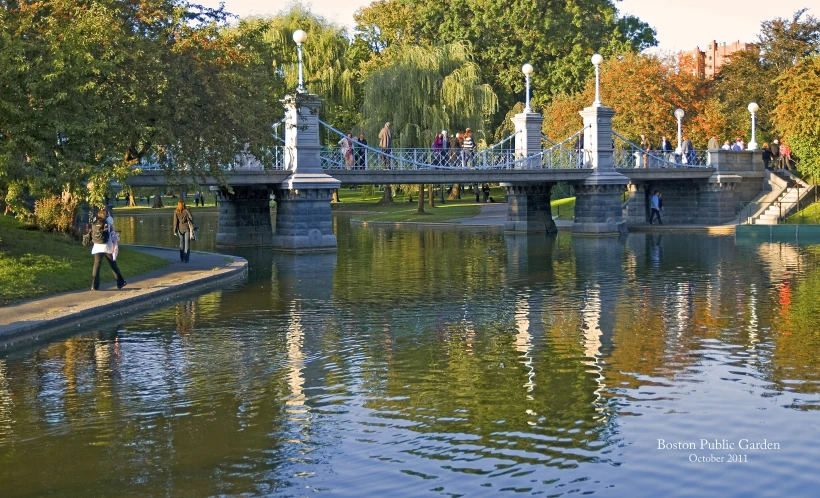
[{"x": 786, "y": 202}]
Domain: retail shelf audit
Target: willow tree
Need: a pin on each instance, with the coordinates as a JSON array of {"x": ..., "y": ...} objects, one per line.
[{"x": 422, "y": 90}]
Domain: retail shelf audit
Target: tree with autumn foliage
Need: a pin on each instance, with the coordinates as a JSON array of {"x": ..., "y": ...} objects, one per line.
[
  {"x": 644, "y": 90},
  {"x": 797, "y": 114}
]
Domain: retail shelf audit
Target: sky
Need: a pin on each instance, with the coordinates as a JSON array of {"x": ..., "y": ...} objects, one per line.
[{"x": 679, "y": 25}]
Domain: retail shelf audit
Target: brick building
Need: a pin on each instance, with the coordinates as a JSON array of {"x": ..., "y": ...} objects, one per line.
[{"x": 707, "y": 63}]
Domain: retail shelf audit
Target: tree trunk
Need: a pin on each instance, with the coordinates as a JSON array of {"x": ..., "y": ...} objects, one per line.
[
  {"x": 420, "y": 210},
  {"x": 157, "y": 201},
  {"x": 432, "y": 194},
  {"x": 455, "y": 192},
  {"x": 387, "y": 196},
  {"x": 335, "y": 197}
]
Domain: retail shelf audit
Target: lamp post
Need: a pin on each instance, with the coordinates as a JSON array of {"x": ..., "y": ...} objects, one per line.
[
  {"x": 300, "y": 37},
  {"x": 679, "y": 113},
  {"x": 527, "y": 70},
  {"x": 596, "y": 61},
  {"x": 753, "y": 107}
]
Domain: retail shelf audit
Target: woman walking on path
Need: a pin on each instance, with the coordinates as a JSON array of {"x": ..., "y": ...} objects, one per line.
[
  {"x": 183, "y": 227},
  {"x": 102, "y": 234}
]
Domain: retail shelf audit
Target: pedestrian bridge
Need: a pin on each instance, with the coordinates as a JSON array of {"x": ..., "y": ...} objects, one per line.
[{"x": 703, "y": 187}]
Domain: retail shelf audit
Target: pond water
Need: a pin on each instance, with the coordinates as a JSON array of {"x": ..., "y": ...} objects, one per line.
[{"x": 438, "y": 362}]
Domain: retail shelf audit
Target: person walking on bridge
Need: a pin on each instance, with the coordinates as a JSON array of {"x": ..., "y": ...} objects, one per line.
[
  {"x": 713, "y": 143},
  {"x": 666, "y": 148},
  {"x": 468, "y": 148},
  {"x": 386, "y": 144},
  {"x": 360, "y": 151},
  {"x": 454, "y": 150},
  {"x": 774, "y": 148}
]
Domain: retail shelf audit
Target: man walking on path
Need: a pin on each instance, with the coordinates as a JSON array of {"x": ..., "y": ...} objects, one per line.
[
  {"x": 713, "y": 143},
  {"x": 386, "y": 143},
  {"x": 655, "y": 205}
]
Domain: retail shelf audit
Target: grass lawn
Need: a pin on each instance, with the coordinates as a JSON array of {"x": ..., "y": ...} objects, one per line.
[
  {"x": 807, "y": 216},
  {"x": 34, "y": 263},
  {"x": 563, "y": 209}
]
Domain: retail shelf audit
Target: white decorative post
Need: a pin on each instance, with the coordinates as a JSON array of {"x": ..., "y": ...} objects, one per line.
[
  {"x": 596, "y": 61},
  {"x": 303, "y": 218},
  {"x": 527, "y": 70},
  {"x": 753, "y": 107},
  {"x": 527, "y": 127},
  {"x": 528, "y": 205},
  {"x": 598, "y": 199},
  {"x": 300, "y": 37},
  {"x": 679, "y": 113}
]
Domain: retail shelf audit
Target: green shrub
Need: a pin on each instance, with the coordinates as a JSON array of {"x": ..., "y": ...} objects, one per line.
[{"x": 55, "y": 215}]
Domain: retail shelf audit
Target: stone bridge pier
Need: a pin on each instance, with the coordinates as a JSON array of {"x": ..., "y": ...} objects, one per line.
[
  {"x": 303, "y": 221},
  {"x": 244, "y": 217}
]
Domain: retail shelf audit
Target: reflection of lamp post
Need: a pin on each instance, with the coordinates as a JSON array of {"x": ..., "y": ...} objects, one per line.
[
  {"x": 679, "y": 114},
  {"x": 527, "y": 70},
  {"x": 596, "y": 61},
  {"x": 753, "y": 109},
  {"x": 300, "y": 37}
]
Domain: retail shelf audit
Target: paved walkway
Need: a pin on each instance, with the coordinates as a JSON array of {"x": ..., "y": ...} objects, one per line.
[{"x": 36, "y": 318}]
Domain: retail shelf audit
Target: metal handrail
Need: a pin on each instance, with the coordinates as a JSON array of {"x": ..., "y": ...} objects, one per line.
[
  {"x": 428, "y": 159},
  {"x": 636, "y": 157}
]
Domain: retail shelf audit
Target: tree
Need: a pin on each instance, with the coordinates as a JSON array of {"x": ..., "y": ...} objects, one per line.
[
  {"x": 91, "y": 87},
  {"x": 557, "y": 37},
  {"x": 425, "y": 89},
  {"x": 797, "y": 114},
  {"x": 751, "y": 76},
  {"x": 644, "y": 90},
  {"x": 328, "y": 70}
]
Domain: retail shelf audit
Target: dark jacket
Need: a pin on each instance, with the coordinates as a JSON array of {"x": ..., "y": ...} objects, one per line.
[
  {"x": 182, "y": 221},
  {"x": 775, "y": 148}
]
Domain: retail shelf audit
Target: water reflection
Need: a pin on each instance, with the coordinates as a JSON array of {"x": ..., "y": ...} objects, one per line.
[{"x": 437, "y": 362}]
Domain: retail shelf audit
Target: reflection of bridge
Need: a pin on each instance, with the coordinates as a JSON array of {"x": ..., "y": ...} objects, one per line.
[{"x": 696, "y": 189}]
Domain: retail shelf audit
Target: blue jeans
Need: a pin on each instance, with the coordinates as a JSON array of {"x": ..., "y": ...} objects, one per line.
[{"x": 184, "y": 246}]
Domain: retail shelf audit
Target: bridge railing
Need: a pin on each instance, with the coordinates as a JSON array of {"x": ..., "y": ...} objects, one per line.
[
  {"x": 244, "y": 161},
  {"x": 495, "y": 157},
  {"x": 626, "y": 154}
]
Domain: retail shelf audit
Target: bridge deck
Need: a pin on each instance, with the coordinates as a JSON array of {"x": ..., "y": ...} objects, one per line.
[{"x": 374, "y": 177}]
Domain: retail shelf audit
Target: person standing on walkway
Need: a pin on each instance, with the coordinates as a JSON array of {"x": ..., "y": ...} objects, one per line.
[
  {"x": 767, "y": 154},
  {"x": 346, "y": 144},
  {"x": 468, "y": 148},
  {"x": 101, "y": 230},
  {"x": 646, "y": 146},
  {"x": 775, "y": 150},
  {"x": 183, "y": 227},
  {"x": 655, "y": 206},
  {"x": 454, "y": 149},
  {"x": 360, "y": 151},
  {"x": 666, "y": 148},
  {"x": 386, "y": 144},
  {"x": 786, "y": 156},
  {"x": 713, "y": 143}
]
